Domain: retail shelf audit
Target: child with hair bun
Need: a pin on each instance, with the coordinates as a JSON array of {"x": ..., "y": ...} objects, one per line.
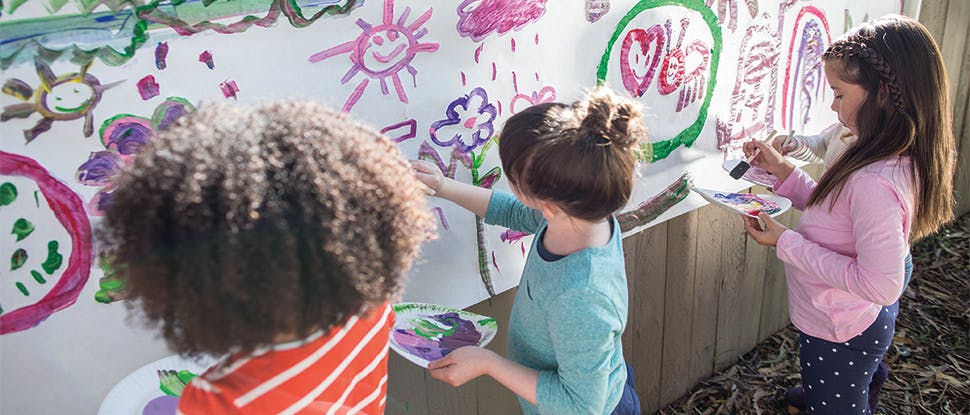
[
  {"x": 570, "y": 168},
  {"x": 275, "y": 236}
]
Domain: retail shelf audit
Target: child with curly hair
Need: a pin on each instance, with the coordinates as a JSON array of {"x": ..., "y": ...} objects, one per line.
[
  {"x": 848, "y": 260},
  {"x": 570, "y": 168},
  {"x": 274, "y": 236}
]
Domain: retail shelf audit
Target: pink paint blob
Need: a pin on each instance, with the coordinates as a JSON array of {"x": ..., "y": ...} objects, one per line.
[
  {"x": 229, "y": 88},
  {"x": 479, "y": 18},
  {"x": 148, "y": 88},
  {"x": 206, "y": 58}
]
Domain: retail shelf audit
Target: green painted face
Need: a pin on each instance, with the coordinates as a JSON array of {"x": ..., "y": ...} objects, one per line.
[{"x": 69, "y": 97}]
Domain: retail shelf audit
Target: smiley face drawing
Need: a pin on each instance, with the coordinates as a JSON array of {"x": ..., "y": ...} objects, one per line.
[{"x": 59, "y": 98}]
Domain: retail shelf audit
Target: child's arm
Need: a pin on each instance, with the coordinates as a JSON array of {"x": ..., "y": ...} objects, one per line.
[
  {"x": 793, "y": 183},
  {"x": 469, "y": 362},
  {"x": 473, "y": 198},
  {"x": 875, "y": 273}
]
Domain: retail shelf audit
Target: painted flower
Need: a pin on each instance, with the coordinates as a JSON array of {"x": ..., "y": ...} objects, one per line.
[
  {"x": 125, "y": 134},
  {"x": 469, "y": 123},
  {"x": 99, "y": 168}
]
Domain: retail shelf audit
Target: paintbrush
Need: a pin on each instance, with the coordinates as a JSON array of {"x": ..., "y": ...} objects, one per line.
[{"x": 745, "y": 164}]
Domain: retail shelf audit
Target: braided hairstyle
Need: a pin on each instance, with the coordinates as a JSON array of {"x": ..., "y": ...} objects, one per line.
[
  {"x": 907, "y": 113},
  {"x": 580, "y": 156}
]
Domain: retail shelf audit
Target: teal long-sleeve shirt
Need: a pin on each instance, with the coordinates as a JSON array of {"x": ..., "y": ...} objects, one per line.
[{"x": 567, "y": 318}]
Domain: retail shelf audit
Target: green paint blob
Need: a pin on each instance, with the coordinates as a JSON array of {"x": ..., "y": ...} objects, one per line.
[
  {"x": 38, "y": 277},
  {"x": 112, "y": 289},
  {"x": 37, "y": 198},
  {"x": 430, "y": 329},
  {"x": 18, "y": 259},
  {"x": 8, "y": 193},
  {"x": 54, "y": 259},
  {"x": 22, "y": 227},
  {"x": 23, "y": 290}
]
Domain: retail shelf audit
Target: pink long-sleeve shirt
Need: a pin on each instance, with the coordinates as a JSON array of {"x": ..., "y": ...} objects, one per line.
[{"x": 843, "y": 265}]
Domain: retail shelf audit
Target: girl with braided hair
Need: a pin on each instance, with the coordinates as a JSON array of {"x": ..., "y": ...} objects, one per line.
[
  {"x": 847, "y": 260},
  {"x": 570, "y": 168}
]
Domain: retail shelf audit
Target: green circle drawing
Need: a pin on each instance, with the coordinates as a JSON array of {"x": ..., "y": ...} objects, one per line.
[{"x": 661, "y": 149}]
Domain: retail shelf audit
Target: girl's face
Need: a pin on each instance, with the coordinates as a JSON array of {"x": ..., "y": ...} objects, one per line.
[{"x": 848, "y": 97}]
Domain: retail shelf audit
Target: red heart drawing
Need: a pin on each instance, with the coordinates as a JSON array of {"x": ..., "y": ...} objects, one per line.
[
  {"x": 634, "y": 84},
  {"x": 546, "y": 94}
]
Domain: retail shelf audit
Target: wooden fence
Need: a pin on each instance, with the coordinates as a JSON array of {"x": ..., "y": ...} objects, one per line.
[{"x": 701, "y": 292}]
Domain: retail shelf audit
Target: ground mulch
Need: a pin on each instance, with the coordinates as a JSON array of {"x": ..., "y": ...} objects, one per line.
[{"x": 929, "y": 361}]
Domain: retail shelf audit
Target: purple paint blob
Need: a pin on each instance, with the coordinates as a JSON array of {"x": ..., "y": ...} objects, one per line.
[
  {"x": 126, "y": 135},
  {"x": 162, "y": 405},
  {"x": 147, "y": 88},
  {"x": 161, "y": 52},
  {"x": 596, "y": 9},
  {"x": 748, "y": 203},
  {"x": 206, "y": 58},
  {"x": 169, "y": 111},
  {"x": 479, "y": 18},
  {"x": 458, "y": 333},
  {"x": 99, "y": 168}
]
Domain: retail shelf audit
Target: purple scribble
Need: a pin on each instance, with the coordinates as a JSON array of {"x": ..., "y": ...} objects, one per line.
[
  {"x": 433, "y": 337},
  {"x": 463, "y": 78},
  {"x": 510, "y": 236},
  {"x": 477, "y": 115},
  {"x": 479, "y": 18},
  {"x": 229, "y": 88},
  {"x": 206, "y": 58},
  {"x": 494, "y": 262},
  {"x": 127, "y": 134},
  {"x": 441, "y": 216},
  {"x": 401, "y": 131},
  {"x": 99, "y": 168},
  {"x": 760, "y": 176},
  {"x": 596, "y": 9},
  {"x": 162, "y": 405},
  {"x": 147, "y": 88},
  {"x": 494, "y": 71},
  {"x": 161, "y": 52},
  {"x": 170, "y": 111},
  {"x": 101, "y": 201}
]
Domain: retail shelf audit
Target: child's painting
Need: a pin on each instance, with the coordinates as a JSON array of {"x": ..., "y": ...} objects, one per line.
[
  {"x": 424, "y": 333},
  {"x": 748, "y": 204}
]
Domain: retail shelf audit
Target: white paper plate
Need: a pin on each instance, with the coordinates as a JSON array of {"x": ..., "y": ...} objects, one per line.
[
  {"x": 755, "y": 175},
  {"x": 426, "y": 332},
  {"x": 131, "y": 394},
  {"x": 744, "y": 203}
]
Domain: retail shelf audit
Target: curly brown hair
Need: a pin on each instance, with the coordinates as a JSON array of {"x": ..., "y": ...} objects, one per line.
[{"x": 241, "y": 224}]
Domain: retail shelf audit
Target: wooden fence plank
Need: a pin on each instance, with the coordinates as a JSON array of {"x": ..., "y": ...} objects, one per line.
[
  {"x": 678, "y": 304},
  {"x": 752, "y": 290},
  {"x": 708, "y": 270},
  {"x": 406, "y": 391},
  {"x": 492, "y": 397},
  {"x": 646, "y": 323},
  {"x": 729, "y": 326}
]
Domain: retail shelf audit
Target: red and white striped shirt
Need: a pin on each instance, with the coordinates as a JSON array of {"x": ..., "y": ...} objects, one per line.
[{"x": 344, "y": 372}]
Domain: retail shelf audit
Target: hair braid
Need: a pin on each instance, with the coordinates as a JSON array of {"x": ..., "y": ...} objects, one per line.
[{"x": 849, "y": 48}]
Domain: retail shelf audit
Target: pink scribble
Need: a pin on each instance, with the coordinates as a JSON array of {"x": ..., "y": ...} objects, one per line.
[
  {"x": 494, "y": 262},
  {"x": 478, "y": 51},
  {"x": 522, "y": 248},
  {"x": 644, "y": 51},
  {"x": 147, "y": 88},
  {"x": 382, "y": 51},
  {"x": 229, "y": 88},
  {"x": 206, "y": 58},
  {"x": 494, "y": 71},
  {"x": 513, "y": 45},
  {"x": 510, "y": 236},
  {"x": 441, "y": 217},
  {"x": 545, "y": 94},
  {"x": 537, "y": 39},
  {"x": 161, "y": 52},
  {"x": 479, "y": 18},
  {"x": 462, "y": 78},
  {"x": 399, "y": 136}
]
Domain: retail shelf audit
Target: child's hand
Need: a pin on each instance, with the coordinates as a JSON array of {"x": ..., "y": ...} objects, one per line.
[
  {"x": 768, "y": 158},
  {"x": 429, "y": 174},
  {"x": 764, "y": 235},
  {"x": 779, "y": 144},
  {"x": 461, "y": 365}
]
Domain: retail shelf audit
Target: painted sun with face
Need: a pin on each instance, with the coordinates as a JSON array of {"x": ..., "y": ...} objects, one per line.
[
  {"x": 59, "y": 98},
  {"x": 382, "y": 51}
]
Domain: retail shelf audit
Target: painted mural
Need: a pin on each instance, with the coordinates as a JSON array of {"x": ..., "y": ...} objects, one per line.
[{"x": 87, "y": 83}]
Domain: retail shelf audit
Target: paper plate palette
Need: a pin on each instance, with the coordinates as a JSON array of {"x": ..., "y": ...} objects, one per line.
[
  {"x": 748, "y": 204},
  {"x": 427, "y": 332},
  {"x": 139, "y": 392},
  {"x": 755, "y": 175}
]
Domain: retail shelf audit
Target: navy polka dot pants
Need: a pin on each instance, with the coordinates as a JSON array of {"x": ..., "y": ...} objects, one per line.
[{"x": 836, "y": 376}]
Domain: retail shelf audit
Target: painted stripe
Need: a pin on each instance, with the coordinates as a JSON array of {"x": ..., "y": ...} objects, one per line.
[
  {"x": 289, "y": 373},
  {"x": 310, "y": 397},
  {"x": 370, "y": 398},
  {"x": 360, "y": 376}
]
